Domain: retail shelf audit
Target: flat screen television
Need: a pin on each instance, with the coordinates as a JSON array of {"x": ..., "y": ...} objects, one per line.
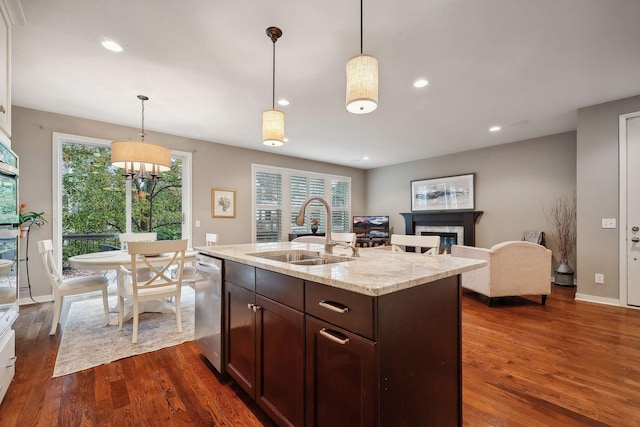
[{"x": 371, "y": 226}]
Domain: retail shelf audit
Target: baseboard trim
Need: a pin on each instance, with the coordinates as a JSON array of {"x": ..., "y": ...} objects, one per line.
[{"x": 598, "y": 300}]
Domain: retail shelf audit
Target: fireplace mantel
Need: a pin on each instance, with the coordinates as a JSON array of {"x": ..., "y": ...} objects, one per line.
[{"x": 466, "y": 219}]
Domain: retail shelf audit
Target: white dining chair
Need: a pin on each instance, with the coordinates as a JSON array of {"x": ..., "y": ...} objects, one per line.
[
  {"x": 66, "y": 287},
  {"x": 348, "y": 238},
  {"x": 190, "y": 272},
  {"x": 125, "y": 238},
  {"x": 158, "y": 285},
  {"x": 211, "y": 239},
  {"x": 432, "y": 243}
]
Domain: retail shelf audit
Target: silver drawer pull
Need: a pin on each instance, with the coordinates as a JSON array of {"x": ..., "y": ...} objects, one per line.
[
  {"x": 330, "y": 336},
  {"x": 330, "y": 305},
  {"x": 12, "y": 362}
]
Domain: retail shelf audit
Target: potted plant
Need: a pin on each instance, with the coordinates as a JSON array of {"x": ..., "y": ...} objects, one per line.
[
  {"x": 27, "y": 219},
  {"x": 314, "y": 225},
  {"x": 562, "y": 221}
]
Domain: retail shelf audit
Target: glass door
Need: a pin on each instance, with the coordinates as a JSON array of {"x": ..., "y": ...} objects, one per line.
[{"x": 97, "y": 203}]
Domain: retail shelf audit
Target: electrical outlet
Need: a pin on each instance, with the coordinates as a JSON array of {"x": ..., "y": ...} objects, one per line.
[
  {"x": 608, "y": 223},
  {"x": 600, "y": 279}
]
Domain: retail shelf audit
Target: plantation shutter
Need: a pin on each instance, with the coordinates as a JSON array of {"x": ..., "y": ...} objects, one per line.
[
  {"x": 340, "y": 205},
  {"x": 268, "y": 202}
]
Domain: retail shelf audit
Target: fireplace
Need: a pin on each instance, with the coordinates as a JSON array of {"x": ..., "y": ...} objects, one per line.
[
  {"x": 447, "y": 236},
  {"x": 444, "y": 223}
]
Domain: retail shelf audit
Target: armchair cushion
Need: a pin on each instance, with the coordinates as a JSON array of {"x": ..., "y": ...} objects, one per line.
[{"x": 513, "y": 268}]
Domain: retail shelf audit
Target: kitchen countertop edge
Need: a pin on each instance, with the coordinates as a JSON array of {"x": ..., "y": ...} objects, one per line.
[{"x": 375, "y": 272}]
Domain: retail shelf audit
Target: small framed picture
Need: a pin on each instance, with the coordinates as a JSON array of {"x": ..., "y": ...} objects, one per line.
[
  {"x": 443, "y": 194},
  {"x": 223, "y": 203}
]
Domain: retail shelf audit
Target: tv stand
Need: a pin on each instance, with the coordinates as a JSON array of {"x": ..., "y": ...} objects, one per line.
[
  {"x": 294, "y": 235},
  {"x": 367, "y": 242}
]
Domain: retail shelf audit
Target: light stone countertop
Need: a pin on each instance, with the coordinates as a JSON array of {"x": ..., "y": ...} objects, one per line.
[{"x": 375, "y": 272}]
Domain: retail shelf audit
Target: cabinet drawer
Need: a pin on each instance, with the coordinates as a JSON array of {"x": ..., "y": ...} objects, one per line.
[
  {"x": 349, "y": 310},
  {"x": 240, "y": 274},
  {"x": 280, "y": 287},
  {"x": 7, "y": 360}
]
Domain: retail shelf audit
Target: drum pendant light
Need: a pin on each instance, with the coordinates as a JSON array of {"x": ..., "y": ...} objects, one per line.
[
  {"x": 362, "y": 81},
  {"x": 140, "y": 159},
  {"x": 273, "y": 120}
]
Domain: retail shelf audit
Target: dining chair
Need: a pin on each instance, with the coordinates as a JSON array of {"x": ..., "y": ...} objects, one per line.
[
  {"x": 125, "y": 238},
  {"x": 211, "y": 239},
  {"x": 432, "y": 243},
  {"x": 349, "y": 238},
  {"x": 158, "y": 285},
  {"x": 66, "y": 287}
]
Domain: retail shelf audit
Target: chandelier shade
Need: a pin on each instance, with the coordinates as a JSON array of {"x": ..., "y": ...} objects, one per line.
[
  {"x": 140, "y": 159},
  {"x": 136, "y": 156},
  {"x": 273, "y": 128},
  {"x": 362, "y": 84}
]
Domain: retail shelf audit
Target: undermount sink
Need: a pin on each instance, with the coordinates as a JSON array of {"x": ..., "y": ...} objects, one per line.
[{"x": 302, "y": 257}]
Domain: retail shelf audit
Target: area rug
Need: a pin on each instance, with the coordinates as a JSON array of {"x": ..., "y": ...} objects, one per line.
[{"x": 88, "y": 342}]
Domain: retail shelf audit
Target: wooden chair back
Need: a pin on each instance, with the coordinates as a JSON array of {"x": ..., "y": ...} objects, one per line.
[
  {"x": 432, "y": 243},
  {"x": 211, "y": 239},
  {"x": 146, "y": 273},
  {"x": 125, "y": 238},
  {"x": 45, "y": 247},
  {"x": 349, "y": 238}
]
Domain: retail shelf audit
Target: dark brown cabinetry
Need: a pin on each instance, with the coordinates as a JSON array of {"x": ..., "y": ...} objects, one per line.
[
  {"x": 341, "y": 377},
  {"x": 265, "y": 340},
  {"x": 316, "y": 355}
]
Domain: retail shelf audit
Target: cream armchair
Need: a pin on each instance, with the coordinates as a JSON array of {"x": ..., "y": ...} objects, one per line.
[{"x": 513, "y": 268}]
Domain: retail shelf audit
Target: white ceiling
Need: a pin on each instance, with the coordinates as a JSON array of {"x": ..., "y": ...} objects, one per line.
[{"x": 525, "y": 65}]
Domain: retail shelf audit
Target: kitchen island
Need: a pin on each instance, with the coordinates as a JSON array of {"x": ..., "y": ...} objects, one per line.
[{"x": 368, "y": 341}]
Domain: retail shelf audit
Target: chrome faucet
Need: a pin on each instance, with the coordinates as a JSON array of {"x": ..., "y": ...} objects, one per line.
[{"x": 329, "y": 243}]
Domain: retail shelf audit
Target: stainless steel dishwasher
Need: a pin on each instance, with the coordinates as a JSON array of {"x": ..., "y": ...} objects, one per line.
[{"x": 208, "y": 309}]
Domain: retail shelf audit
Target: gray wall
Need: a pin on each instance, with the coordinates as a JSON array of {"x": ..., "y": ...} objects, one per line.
[
  {"x": 514, "y": 184},
  {"x": 598, "y": 184},
  {"x": 214, "y": 165}
]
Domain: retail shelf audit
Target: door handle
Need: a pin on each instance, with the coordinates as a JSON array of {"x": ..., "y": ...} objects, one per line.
[
  {"x": 635, "y": 239},
  {"x": 635, "y": 228}
]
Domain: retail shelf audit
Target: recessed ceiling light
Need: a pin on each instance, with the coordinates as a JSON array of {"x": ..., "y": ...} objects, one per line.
[
  {"x": 283, "y": 101},
  {"x": 112, "y": 46},
  {"x": 494, "y": 128},
  {"x": 420, "y": 83},
  {"x": 365, "y": 157},
  {"x": 286, "y": 140}
]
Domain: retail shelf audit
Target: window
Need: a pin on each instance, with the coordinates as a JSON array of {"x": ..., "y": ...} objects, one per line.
[{"x": 279, "y": 194}]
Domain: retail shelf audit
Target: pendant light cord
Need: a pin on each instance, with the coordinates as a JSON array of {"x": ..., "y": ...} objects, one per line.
[
  {"x": 361, "y": 27},
  {"x": 142, "y": 130},
  {"x": 273, "y": 86}
]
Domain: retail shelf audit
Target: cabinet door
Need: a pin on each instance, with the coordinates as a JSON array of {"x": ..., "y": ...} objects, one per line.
[
  {"x": 341, "y": 377},
  {"x": 241, "y": 336},
  {"x": 280, "y": 360}
]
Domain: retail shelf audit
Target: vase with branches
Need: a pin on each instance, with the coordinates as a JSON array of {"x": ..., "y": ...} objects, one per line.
[{"x": 562, "y": 222}]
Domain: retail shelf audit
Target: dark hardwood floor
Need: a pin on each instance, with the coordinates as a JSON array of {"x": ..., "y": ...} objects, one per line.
[{"x": 564, "y": 364}]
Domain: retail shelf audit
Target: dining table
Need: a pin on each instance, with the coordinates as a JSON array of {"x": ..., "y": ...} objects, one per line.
[{"x": 113, "y": 260}]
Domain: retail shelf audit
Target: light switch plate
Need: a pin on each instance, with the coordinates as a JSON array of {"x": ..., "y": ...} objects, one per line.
[
  {"x": 599, "y": 279},
  {"x": 608, "y": 223},
  {"x": 197, "y": 223}
]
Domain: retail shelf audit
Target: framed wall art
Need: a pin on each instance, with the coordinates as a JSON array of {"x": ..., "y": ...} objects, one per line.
[
  {"x": 223, "y": 203},
  {"x": 443, "y": 194}
]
